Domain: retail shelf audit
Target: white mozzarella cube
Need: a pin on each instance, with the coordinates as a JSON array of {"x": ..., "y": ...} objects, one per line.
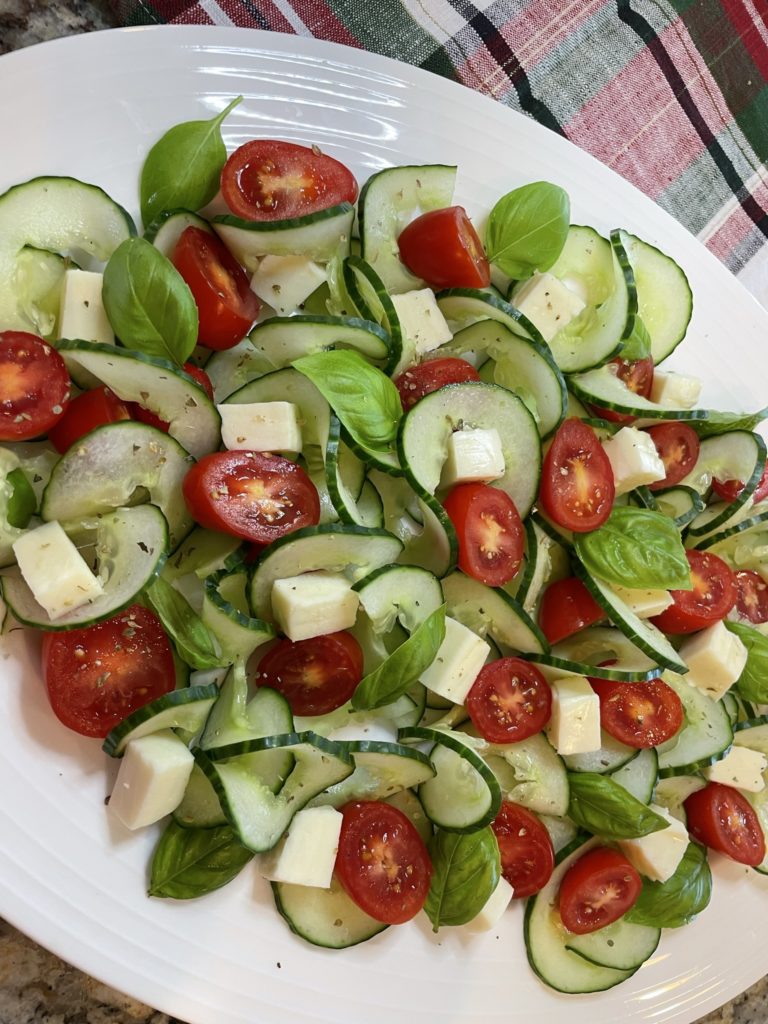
[
  {"x": 82, "y": 316},
  {"x": 574, "y": 726},
  {"x": 307, "y": 855},
  {"x": 634, "y": 459},
  {"x": 658, "y": 855},
  {"x": 457, "y": 663},
  {"x": 153, "y": 775},
  {"x": 261, "y": 427},
  {"x": 674, "y": 390},
  {"x": 741, "y": 767},
  {"x": 645, "y": 603},
  {"x": 314, "y": 604},
  {"x": 715, "y": 658},
  {"x": 494, "y": 908},
  {"x": 284, "y": 282},
  {"x": 54, "y": 570},
  {"x": 548, "y": 303},
  {"x": 473, "y": 455},
  {"x": 421, "y": 320}
]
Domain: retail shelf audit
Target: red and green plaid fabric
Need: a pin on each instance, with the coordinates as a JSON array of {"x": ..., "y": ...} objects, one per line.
[{"x": 672, "y": 95}]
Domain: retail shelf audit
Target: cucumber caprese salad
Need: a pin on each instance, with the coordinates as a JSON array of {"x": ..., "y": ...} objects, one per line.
[{"x": 384, "y": 555}]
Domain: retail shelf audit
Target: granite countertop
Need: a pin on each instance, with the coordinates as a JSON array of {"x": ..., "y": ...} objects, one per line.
[{"x": 35, "y": 986}]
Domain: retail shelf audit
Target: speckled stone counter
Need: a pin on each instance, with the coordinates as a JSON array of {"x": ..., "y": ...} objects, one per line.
[{"x": 35, "y": 986}]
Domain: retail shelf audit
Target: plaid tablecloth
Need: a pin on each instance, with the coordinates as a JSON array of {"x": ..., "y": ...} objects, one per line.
[{"x": 672, "y": 95}]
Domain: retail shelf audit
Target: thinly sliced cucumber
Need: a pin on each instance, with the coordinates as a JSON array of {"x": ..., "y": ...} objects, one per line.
[
  {"x": 233, "y": 368},
  {"x": 603, "y": 388},
  {"x": 585, "y": 265},
  {"x": 639, "y": 775},
  {"x": 225, "y": 612},
  {"x": 583, "y": 652},
  {"x": 562, "y": 831},
  {"x": 492, "y": 612},
  {"x": 463, "y": 307},
  {"x": 622, "y": 945},
  {"x": 351, "y": 549},
  {"x": 407, "y": 802},
  {"x": 37, "y": 284},
  {"x": 425, "y": 430},
  {"x": 665, "y": 302},
  {"x": 737, "y": 455},
  {"x": 381, "y": 770},
  {"x": 673, "y": 791},
  {"x": 607, "y": 759},
  {"x": 706, "y": 736},
  {"x": 546, "y": 561},
  {"x": 319, "y": 236},
  {"x": 346, "y": 724},
  {"x": 61, "y": 215},
  {"x": 388, "y": 201},
  {"x": 682, "y": 504},
  {"x": 746, "y": 527},
  {"x": 371, "y": 297},
  {"x": 130, "y": 546},
  {"x": 752, "y": 734},
  {"x": 237, "y": 717},
  {"x": 203, "y": 552},
  {"x": 530, "y": 773},
  {"x": 112, "y": 467},
  {"x": 185, "y": 709},
  {"x": 325, "y": 917},
  {"x": 200, "y": 807},
  {"x": 165, "y": 232},
  {"x": 280, "y": 340},
  {"x": 159, "y": 386},
  {"x": 558, "y": 533},
  {"x": 406, "y": 594},
  {"x": 353, "y": 501}
]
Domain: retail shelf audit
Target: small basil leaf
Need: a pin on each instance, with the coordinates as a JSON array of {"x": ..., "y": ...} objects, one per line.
[
  {"x": 677, "y": 901},
  {"x": 402, "y": 668},
  {"x": 465, "y": 871},
  {"x": 605, "y": 808},
  {"x": 183, "y": 168},
  {"x": 638, "y": 344},
  {"x": 22, "y": 502},
  {"x": 636, "y": 548},
  {"x": 752, "y": 684},
  {"x": 527, "y": 229},
  {"x": 192, "y": 638},
  {"x": 364, "y": 399},
  {"x": 725, "y": 422},
  {"x": 190, "y": 862},
  {"x": 148, "y": 302}
]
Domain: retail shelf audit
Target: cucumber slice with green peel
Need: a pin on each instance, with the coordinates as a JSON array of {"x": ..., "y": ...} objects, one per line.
[
  {"x": 60, "y": 215},
  {"x": 203, "y": 552},
  {"x": 233, "y": 368},
  {"x": 424, "y": 432},
  {"x": 736, "y": 531},
  {"x": 280, "y": 340},
  {"x": 37, "y": 282},
  {"x": 130, "y": 546},
  {"x": 737, "y": 455},
  {"x": 639, "y": 775},
  {"x": 585, "y": 265},
  {"x": 744, "y": 546},
  {"x": 611, "y": 755},
  {"x": 185, "y": 709},
  {"x": 582, "y": 653},
  {"x": 603, "y": 388},
  {"x": 546, "y": 561},
  {"x": 665, "y": 301},
  {"x": 406, "y": 594},
  {"x": 158, "y": 385},
  {"x": 706, "y": 736},
  {"x": 680, "y": 503},
  {"x": 337, "y": 548},
  {"x": 199, "y": 807},
  {"x": 407, "y": 802},
  {"x": 622, "y": 946},
  {"x": 672, "y": 792},
  {"x": 353, "y": 501},
  {"x": 562, "y": 831},
  {"x": 463, "y": 307},
  {"x": 325, "y": 917},
  {"x": 165, "y": 232},
  {"x": 492, "y": 612},
  {"x": 401, "y": 713},
  {"x": 237, "y": 717},
  {"x": 114, "y": 465},
  {"x": 558, "y": 533},
  {"x": 225, "y": 612},
  {"x": 381, "y": 770},
  {"x": 371, "y": 298},
  {"x": 389, "y": 200},
  {"x": 318, "y": 236},
  {"x": 752, "y": 734},
  {"x": 530, "y": 773}
]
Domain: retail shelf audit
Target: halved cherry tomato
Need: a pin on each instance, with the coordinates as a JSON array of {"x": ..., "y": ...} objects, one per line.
[
  {"x": 252, "y": 495},
  {"x": 712, "y": 597},
  {"x": 34, "y": 386},
  {"x": 138, "y": 412},
  {"x": 490, "y": 532},
  {"x": 729, "y": 490},
  {"x": 443, "y": 248},
  {"x": 566, "y": 607},
  {"x": 638, "y": 714},
  {"x": 315, "y": 676},
  {"x": 270, "y": 180},
  {"x": 751, "y": 596},
  {"x": 527, "y": 855},
  {"x": 678, "y": 447},
  {"x": 226, "y": 305},
  {"x": 597, "y": 890},
  {"x": 84, "y": 413},
  {"x": 509, "y": 701},
  {"x": 722, "y": 818},
  {"x": 577, "y": 488},
  {"x": 382, "y": 861},
  {"x": 427, "y": 377},
  {"x": 99, "y": 675},
  {"x": 638, "y": 376}
]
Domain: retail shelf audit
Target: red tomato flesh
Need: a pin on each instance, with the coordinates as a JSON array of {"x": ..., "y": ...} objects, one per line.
[
  {"x": 566, "y": 607},
  {"x": 270, "y": 180},
  {"x": 509, "y": 701},
  {"x": 638, "y": 714},
  {"x": 597, "y": 890},
  {"x": 443, "y": 248},
  {"x": 729, "y": 490},
  {"x": 722, "y": 818},
  {"x": 527, "y": 854},
  {"x": 678, "y": 447},
  {"x": 382, "y": 862},
  {"x": 490, "y": 532},
  {"x": 84, "y": 413},
  {"x": 315, "y": 676},
  {"x": 712, "y": 597},
  {"x": 138, "y": 412},
  {"x": 34, "y": 386},
  {"x": 252, "y": 495},
  {"x": 427, "y": 377},
  {"x": 99, "y": 675},
  {"x": 638, "y": 376},
  {"x": 751, "y": 596},
  {"x": 577, "y": 488}
]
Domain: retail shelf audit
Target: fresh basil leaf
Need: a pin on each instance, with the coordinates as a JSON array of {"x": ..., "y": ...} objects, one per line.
[
  {"x": 402, "y": 668},
  {"x": 527, "y": 229},
  {"x": 148, "y": 302},
  {"x": 22, "y": 501},
  {"x": 465, "y": 871},
  {"x": 364, "y": 398},
  {"x": 724, "y": 422},
  {"x": 192, "y": 638},
  {"x": 638, "y": 344},
  {"x": 636, "y": 548},
  {"x": 605, "y": 808},
  {"x": 752, "y": 684},
  {"x": 677, "y": 901},
  {"x": 190, "y": 862},
  {"x": 183, "y": 168}
]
